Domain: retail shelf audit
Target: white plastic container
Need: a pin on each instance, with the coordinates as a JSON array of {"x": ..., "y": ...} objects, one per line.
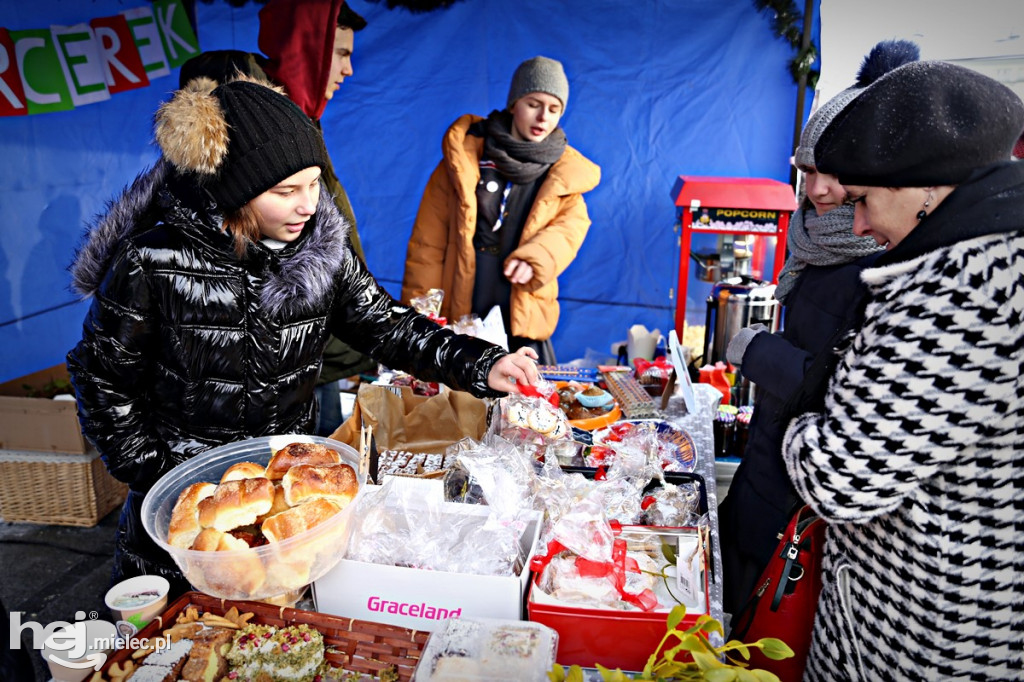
[
  {"x": 136, "y": 601},
  {"x": 284, "y": 566},
  {"x": 488, "y": 650}
]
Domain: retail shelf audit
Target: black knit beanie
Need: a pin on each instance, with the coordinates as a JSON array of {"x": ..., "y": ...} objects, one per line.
[
  {"x": 269, "y": 139},
  {"x": 923, "y": 124},
  {"x": 240, "y": 138}
]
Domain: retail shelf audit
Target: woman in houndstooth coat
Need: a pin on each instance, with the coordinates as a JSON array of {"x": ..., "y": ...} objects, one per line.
[{"x": 915, "y": 459}]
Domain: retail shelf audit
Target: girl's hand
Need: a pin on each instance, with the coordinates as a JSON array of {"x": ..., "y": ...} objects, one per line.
[
  {"x": 512, "y": 369},
  {"x": 518, "y": 271}
]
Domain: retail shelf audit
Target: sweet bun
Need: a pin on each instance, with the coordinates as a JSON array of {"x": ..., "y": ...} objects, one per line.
[
  {"x": 242, "y": 470},
  {"x": 184, "y": 525},
  {"x": 298, "y": 519},
  {"x": 279, "y": 505},
  {"x": 243, "y": 573},
  {"x": 236, "y": 503},
  {"x": 300, "y": 453},
  {"x": 336, "y": 483}
]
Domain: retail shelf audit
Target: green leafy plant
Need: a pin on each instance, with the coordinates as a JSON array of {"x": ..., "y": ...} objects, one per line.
[
  {"x": 692, "y": 656},
  {"x": 49, "y": 389}
]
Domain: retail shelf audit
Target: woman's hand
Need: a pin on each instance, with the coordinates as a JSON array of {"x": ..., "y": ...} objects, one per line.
[
  {"x": 518, "y": 271},
  {"x": 512, "y": 369}
]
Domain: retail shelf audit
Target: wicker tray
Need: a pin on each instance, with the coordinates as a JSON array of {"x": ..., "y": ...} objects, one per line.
[
  {"x": 57, "y": 489},
  {"x": 355, "y": 645}
]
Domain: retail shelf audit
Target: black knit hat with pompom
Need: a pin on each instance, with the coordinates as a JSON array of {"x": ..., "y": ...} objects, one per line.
[
  {"x": 239, "y": 139},
  {"x": 923, "y": 124}
]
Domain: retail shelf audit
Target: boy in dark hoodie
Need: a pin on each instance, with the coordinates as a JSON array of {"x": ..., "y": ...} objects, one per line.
[{"x": 307, "y": 49}]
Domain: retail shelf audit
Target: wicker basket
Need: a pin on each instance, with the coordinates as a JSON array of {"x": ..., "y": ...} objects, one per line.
[
  {"x": 56, "y": 489},
  {"x": 357, "y": 646}
]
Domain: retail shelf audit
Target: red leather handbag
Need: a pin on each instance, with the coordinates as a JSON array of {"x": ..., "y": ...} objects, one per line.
[{"x": 786, "y": 597}]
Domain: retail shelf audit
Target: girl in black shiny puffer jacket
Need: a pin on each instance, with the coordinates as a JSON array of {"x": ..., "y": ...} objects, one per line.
[{"x": 216, "y": 280}]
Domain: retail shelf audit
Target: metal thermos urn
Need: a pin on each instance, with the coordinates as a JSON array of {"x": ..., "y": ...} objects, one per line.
[{"x": 736, "y": 303}]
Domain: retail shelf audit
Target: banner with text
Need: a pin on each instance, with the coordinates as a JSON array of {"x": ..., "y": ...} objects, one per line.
[{"x": 63, "y": 67}]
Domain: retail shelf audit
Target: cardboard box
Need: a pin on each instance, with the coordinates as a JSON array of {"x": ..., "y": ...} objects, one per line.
[
  {"x": 28, "y": 423},
  {"x": 421, "y": 599},
  {"x": 616, "y": 638}
]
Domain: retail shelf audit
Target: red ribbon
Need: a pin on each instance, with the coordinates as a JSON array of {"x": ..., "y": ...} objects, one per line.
[
  {"x": 532, "y": 391},
  {"x": 659, "y": 363},
  {"x": 615, "y": 569}
]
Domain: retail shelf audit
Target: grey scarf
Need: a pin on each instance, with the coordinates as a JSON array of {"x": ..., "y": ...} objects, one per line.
[
  {"x": 821, "y": 240},
  {"x": 517, "y": 160}
]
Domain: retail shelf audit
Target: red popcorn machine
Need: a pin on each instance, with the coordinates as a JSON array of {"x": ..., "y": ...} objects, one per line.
[{"x": 729, "y": 227}]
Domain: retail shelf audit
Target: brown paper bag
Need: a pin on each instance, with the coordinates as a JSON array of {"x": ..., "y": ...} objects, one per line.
[{"x": 414, "y": 423}]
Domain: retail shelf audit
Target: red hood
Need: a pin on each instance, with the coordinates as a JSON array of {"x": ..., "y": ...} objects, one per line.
[{"x": 290, "y": 30}]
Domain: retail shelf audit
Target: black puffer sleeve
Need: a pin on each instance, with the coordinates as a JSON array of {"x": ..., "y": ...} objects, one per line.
[
  {"x": 109, "y": 369},
  {"x": 366, "y": 317}
]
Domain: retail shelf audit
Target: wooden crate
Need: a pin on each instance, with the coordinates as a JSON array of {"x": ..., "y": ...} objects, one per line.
[
  {"x": 357, "y": 646},
  {"x": 56, "y": 488}
]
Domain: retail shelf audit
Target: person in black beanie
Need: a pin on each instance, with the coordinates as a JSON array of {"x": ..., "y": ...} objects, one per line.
[
  {"x": 817, "y": 285},
  {"x": 914, "y": 457},
  {"x": 503, "y": 214},
  {"x": 307, "y": 49},
  {"x": 216, "y": 280}
]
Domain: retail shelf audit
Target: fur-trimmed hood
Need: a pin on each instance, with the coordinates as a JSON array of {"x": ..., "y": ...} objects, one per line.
[{"x": 306, "y": 270}]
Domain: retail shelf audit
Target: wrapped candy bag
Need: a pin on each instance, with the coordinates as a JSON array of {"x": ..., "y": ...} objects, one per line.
[
  {"x": 589, "y": 564},
  {"x": 430, "y": 305},
  {"x": 502, "y": 474},
  {"x": 400, "y": 525},
  {"x": 530, "y": 419},
  {"x": 653, "y": 376},
  {"x": 673, "y": 505}
]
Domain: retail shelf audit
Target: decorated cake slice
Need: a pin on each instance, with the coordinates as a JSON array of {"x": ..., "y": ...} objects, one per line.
[{"x": 289, "y": 654}]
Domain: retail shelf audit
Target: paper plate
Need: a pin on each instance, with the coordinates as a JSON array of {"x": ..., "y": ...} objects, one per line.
[{"x": 610, "y": 417}]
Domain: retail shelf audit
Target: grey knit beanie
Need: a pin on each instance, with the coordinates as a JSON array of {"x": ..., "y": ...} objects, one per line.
[
  {"x": 883, "y": 58},
  {"x": 539, "y": 74}
]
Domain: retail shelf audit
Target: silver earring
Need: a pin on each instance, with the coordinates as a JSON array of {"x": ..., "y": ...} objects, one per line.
[{"x": 922, "y": 214}]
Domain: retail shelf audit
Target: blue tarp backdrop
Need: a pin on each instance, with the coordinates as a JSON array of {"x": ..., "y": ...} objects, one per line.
[{"x": 658, "y": 88}]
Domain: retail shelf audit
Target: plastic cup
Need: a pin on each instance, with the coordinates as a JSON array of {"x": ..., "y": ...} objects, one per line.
[
  {"x": 136, "y": 601},
  {"x": 100, "y": 636}
]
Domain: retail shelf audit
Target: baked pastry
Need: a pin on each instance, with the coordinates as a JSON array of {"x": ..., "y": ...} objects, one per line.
[
  {"x": 244, "y": 573},
  {"x": 305, "y": 482},
  {"x": 207, "y": 661},
  {"x": 236, "y": 503},
  {"x": 542, "y": 420},
  {"x": 298, "y": 519},
  {"x": 174, "y": 657},
  {"x": 280, "y": 504},
  {"x": 241, "y": 470},
  {"x": 300, "y": 453},
  {"x": 184, "y": 525},
  {"x": 153, "y": 673}
]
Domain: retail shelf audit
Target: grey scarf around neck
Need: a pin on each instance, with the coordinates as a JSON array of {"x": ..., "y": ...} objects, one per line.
[
  {"x": 821, "y": 240},
  {"x": 519, "y": 161}
]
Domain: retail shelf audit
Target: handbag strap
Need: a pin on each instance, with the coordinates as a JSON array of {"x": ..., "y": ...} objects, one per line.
[{"x": 791, "y": 552}]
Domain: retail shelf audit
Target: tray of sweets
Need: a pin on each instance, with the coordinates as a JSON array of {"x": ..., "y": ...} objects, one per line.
[
  {"x": 635, "y": 402},
  {"x": 568, "y": 373},
  {"x": 352, "y": 649}
]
